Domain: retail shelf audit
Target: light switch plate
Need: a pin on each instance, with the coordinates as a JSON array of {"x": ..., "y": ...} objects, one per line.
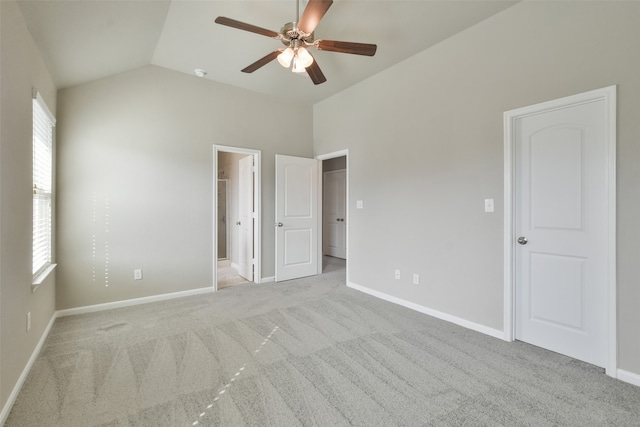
[
  {"x": 488, "y": 205},
  {"x": 359, "y": 204}
]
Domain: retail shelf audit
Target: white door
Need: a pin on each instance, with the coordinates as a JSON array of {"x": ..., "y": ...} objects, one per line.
[
  {"x": 561, "y": 224},
  {"x": 245, "y": 214},
  {"x": 334, "y": 229},
  {"x": 296, "y": 217}
]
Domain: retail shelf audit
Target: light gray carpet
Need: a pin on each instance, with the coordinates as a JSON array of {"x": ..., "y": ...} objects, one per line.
[{"x": 308, "y": 352}]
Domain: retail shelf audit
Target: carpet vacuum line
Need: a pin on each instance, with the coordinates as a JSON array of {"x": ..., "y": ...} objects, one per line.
[{"x": 223, "y": 389}]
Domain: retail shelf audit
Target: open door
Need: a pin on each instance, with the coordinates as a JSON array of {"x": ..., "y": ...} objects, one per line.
[
  {"x": 245, "y": 215},
  {"x": 334, "y": 213},
  {"x": 296, "y": 224},
  {"x": 227, "y": 165}
]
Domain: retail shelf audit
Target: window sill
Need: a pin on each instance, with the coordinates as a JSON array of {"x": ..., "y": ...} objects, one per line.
[{"x": 40, "y": 278}]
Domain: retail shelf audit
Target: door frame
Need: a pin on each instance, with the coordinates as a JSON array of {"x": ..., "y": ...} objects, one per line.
[
  {"x": 257, "y": 197},
  {"x": 328, "y": 156},
  {"x": 608, "y": 95}
]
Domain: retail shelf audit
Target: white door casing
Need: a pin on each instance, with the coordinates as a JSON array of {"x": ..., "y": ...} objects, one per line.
[
  {"x": 245, "y": 217},
  {"x": 560, "y": 197},
  {"x": 297, "y": 215},
  {"x": 334, "y": 213}
]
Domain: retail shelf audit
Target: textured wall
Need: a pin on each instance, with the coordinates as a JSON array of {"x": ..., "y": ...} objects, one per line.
[
  {"x": 135, "y": 179},
  {"x": 425, "y": 141},
  {"x": 21, "y": 70}
]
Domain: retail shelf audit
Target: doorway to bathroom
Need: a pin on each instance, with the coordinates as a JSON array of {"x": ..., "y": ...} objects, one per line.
[{"x": 237, "y": 216}]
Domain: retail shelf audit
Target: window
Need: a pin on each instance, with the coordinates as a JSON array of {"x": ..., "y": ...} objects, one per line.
[{"x": 43, "y": 123}]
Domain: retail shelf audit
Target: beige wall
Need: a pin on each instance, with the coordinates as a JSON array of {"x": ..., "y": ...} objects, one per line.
[
  {"x": 135, "y": 175},
  {"x": 21, "y": 69},
  {"x": 425, "y": 141}
]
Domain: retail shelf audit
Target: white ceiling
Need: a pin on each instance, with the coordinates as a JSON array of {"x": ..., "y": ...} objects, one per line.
[{"x": 84, "y": 40}]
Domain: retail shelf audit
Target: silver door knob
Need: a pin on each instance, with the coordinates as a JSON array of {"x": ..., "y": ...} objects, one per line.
[
  {"x": 522, "y": 240},
  {"x": 278, "y": 224}
]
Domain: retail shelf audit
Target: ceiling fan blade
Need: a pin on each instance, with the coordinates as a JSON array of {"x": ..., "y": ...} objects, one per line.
[
  {"x": 365, "y": 49},
  {"x": 262, "y": 61},
  {"x": 246, "y": 27},
  {"x": 312, "y": 15},
  {"x": 315, "y": 73}
]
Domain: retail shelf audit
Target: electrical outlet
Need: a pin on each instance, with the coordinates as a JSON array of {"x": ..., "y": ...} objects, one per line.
[
  {"x": 397, "y": 274},
  {"x": 137, "y": 274},
  {"x": 416, "y": 279},
  {"x": 28, "y": 321}
]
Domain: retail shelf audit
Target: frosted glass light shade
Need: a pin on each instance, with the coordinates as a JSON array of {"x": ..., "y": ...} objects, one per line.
[
  {"x": 285, "y": 57},
  {"x": 304, "y": 57},
  {"x": 297, "y": 66}
]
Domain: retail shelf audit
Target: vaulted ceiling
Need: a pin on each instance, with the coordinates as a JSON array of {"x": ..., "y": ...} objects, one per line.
[{"x": 84, "y": 40}]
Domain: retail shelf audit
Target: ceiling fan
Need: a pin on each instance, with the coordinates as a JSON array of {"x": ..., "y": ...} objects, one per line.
[{"x": 297, "y": 36}]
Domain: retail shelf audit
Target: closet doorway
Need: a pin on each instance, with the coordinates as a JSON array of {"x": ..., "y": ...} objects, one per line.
[
  {"x": 335, "y": 208},
  {"x": 236, "y": 216}
]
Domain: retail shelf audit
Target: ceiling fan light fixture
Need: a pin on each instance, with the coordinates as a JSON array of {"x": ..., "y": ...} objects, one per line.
[
  {"x": 297, "y": 66},
  {"x": 295, "y": 36},
  {"x": 285, "y": 57},
  {"x": 304, "y": 57},
  {"x": 301, "y": 60}
]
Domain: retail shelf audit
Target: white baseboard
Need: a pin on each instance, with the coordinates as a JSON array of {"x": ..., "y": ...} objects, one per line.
[
  {"x": 23, "y": 376},
  {"x": 131, "y": 302},
  {"x": 434, "y": 313},
  {"x": 629, "y": 377},
  {"x": 267, "y": 279}
]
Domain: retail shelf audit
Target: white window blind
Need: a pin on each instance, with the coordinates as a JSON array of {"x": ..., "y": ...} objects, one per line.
[{"x": 43, "y": 123}]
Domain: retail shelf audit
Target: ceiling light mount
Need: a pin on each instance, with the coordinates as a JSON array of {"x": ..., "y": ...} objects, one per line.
[
  {"x": 200, "y": 72},
  {"x": 290, "y": 31}
]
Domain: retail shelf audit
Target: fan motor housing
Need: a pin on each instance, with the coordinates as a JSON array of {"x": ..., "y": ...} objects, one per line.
[{"x": 290, "y": 32}]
